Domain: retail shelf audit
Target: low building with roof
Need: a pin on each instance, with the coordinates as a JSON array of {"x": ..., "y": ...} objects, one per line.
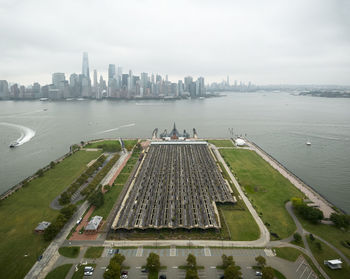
[
  {"x": 334, "y": 264},
  {"x": 42, "y": 227},
  {"x": 93, "y": 225}
]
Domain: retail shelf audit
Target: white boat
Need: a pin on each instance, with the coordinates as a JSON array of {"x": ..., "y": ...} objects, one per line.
[{"x": 308, "y": 142}]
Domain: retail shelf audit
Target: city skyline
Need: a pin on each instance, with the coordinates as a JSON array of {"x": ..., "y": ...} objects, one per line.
[{"x": 274, "y": 42}]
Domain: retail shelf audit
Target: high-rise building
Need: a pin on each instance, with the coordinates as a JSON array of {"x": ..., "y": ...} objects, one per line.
[
  {"x": 201, "y": 87},
  {"x": 85, "y": 68},
  {"x": 188, "y": 81},
  {"x": 228, "y": 81},
  {"x": 4, "y": 89},
  {"x": 57, "y": 79},
  {"x": 111, "y": 72},
  {"x": 130, "y": 81}
]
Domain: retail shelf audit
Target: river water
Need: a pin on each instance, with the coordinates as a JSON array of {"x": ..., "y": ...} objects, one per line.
[{"x": 280, "y": 123}]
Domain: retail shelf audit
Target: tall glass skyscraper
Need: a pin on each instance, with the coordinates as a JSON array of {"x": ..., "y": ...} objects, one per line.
[{"x": 86, "y": 71}]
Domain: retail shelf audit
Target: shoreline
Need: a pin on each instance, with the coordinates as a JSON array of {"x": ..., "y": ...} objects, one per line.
[{"x": 315, "y": 197}]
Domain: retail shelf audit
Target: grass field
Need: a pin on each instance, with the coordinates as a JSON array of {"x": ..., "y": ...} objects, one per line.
[
  {"x": 129, "y": 144},
  {"x": 267, "y": 189},
  {"x": 241, "y": 223},
  {"x": 21, "y": 213},
  {"x": 288, "y": 253},
  {"x": 59, "y": 272},
  {"x": 106, "y": 145},
  {"x": 329, "y": 233},
  {"x": 93, "y": 252},
  {"x": 278, "y": 274},
  {"x": 327, "y": 253},
  {"x": 222, "y": 143},
  {"x": 69, "y": 252}
]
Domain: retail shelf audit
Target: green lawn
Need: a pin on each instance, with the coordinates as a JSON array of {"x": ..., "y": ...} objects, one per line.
[
  {"x": 288, "y": 253},
  {"x": 241, "y": 223},
  {"x": 21, "y": 213},
  {"x": 69, "y": 252},
  {"x": 129, "y": 144},
  {"x": 93, "y": 252},
  {"x": 329, "y": 233},
  {"x": 222, "y": 143},
  {"x": 80, "y": 273},
  {"x": 278, "y": 274},
  {"x": 58, "y": 273},
  {"x": 327, "y": 253},
  {"x": 266, "y": 188},
  {"x": 106, "y": 145}
]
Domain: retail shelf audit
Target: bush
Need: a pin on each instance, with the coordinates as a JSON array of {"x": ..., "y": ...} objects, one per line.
[
  {"x": 340, "y": 220},
  {"x": 40, "y": 173},
  {"x": 314, "y": 215},
  {"x": 96, "y": 198},
  {"x": 297, "y": 237},
  {"x": 311, "y": 236}
]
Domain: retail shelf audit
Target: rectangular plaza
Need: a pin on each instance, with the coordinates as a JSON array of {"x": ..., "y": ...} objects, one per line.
[{"x": 177, "y": 186}]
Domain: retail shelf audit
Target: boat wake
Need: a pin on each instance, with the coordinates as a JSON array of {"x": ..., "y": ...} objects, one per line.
[
  {"x": 26, "y": 133},
  {"x": 116, "y": 129}
]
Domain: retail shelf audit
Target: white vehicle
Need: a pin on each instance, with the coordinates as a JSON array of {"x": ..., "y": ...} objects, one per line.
[
  {"x": 79, "y": 220},
  {"x": 88, "y": 269},
  {"x": 88, "y": 273}
]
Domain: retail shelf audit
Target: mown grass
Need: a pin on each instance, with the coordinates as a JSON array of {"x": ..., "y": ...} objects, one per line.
[
  {"x": 327, "y": 253},
  {"x": 278, "y": 274},
  {"x": 288, "y": 253},
  {"x": 106, "y": 145},
  {"x": 69, "y": 252},
  {"x": 222, "y": 143},
  {"x": 329, "y": 233},
  {"x": 93, "y": 252},
  {"x": 267, "y": 189},
  {"x": 21, "y": 213},
  {"x": 58, "y": 273},
  {"x": 241, "y": 223}
]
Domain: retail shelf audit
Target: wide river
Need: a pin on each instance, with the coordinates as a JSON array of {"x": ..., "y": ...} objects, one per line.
[{"x": 280, "y": 123}]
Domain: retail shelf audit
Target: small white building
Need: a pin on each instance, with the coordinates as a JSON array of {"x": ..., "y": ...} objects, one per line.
[
  {"x": 93, "y": 224},
  {"x": 334, "y": 264},
  {"x": 240, "y": 142}
]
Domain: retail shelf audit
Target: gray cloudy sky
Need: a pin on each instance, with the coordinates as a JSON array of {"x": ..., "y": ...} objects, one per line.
[{"x": 299, "y": 41}]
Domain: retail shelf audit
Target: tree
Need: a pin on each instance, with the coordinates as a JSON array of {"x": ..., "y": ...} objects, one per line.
[
  {"x": 113, "y": 271},
  {"x": 64, "y": 198},
  {"x": 52, "y": 164},
  {"x": 226, "y": 261},
  {"x": 191, "y": 261},
  {"x": 314, "y": 215},
  {"x": 268, "y": 273},
  {"x": 191, "y": 273},
  {"x": 297, "y": 237},
  {"x": 97, "y": 198},
  {"x": 232, "y": 272},
  {"x": 118, "y": 258},
  {"x": 153, "y": 263},
  {"x": 68, "y": 211},
  {"x": 260, "y": 260},
  {"x": 340, "y": 220}
]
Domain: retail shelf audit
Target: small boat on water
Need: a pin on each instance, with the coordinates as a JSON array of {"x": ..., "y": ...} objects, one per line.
[
  {"x": 308, "y": 143},
  {"x": 14, "y": 144}
]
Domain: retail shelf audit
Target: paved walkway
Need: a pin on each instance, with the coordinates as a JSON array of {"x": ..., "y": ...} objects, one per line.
[
  {"x": 76, "y": 235},
  {"x": 323, "y": 205}
]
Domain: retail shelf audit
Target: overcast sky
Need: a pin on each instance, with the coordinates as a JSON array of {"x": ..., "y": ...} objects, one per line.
[{"x": 279, "y": 42}]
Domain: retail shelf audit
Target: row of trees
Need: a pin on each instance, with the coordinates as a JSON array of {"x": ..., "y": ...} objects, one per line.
[
  {"x": 65, "y": 214},
  {"x": 231, "y": 270},
  {"x": 101, "y": 174},
  {"x": 65, "y": 197}
]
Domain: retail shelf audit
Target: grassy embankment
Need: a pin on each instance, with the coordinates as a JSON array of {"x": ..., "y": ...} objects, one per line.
[
  {"x": 327, "y": 253},
  {"x": 59, "y": 272},
  {"x": 222, "y": 143},
  {"x": 267, "y": 189},
  {"x": 21, "y": 213}
]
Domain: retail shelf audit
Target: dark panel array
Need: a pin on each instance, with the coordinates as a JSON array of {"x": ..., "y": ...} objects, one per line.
[{"x": 175, "y": 188}]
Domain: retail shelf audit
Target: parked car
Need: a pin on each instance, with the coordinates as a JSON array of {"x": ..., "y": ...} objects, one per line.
[
  {"x": 162, "y": 276},
  {"x": 88, "y": 269},
  {"x": 144, "y": 270},
  {"x": 88, "y": 273},
  {"x": 258, "y": 273},
  {"x": 79, "y": 220}
]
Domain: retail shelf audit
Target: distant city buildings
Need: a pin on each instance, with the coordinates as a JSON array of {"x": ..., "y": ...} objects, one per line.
[{"x": 119, "y": 85}]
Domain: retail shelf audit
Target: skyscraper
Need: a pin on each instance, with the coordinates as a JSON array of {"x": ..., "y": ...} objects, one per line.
[{"x": 85, "y": 70}]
